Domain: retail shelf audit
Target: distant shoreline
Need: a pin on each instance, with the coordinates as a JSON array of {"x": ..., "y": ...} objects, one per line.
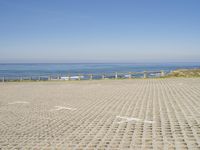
[
  {"x": 74, "y": 69},
  {"x": 130, "y": 75}
]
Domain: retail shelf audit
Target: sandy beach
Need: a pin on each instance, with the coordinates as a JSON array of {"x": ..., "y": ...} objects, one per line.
[{"x": 104, "y": 114}]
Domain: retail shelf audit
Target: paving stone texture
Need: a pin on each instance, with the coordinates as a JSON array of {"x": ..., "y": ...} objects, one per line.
[{"x": 107, "y": 114}]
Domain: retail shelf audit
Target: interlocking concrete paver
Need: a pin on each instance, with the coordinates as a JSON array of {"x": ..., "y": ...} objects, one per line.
[{"x": 106, "y": 114}]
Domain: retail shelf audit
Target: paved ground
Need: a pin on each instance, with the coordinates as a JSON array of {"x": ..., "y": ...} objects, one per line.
[{"x": 121, "y": 114}]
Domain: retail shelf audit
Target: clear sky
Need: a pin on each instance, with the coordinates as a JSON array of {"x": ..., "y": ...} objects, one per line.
[{"x": 99, "y": 30}]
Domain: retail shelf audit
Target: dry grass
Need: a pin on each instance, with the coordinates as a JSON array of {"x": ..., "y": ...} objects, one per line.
[{"x": 185, "y": 73}]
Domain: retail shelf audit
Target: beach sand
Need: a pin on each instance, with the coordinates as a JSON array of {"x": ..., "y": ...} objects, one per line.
[{"x": 104, "y": 114}]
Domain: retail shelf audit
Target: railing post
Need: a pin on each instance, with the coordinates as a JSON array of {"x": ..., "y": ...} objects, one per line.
[
  {"x": 79, "y": 77},
  {"x": 49, "y": 78},
  {"x": 116, "y": 75},
  {"x": 162, "y": 73},
  {"x": 91, "y": 77},
  {"x": 68, "y": 77},
  {"x": 58, "y": 77},
  {"x": 145, "y": 74},
  {"x": 3, "y": 79},
  {"x": 103, "y": 76},
  {"x": 129, "y": 75}
]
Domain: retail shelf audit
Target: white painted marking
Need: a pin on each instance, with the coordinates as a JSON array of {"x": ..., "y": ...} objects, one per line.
[
  {"x": 61, "y": 108},
  {"x": 146, "y": 121},
  {"x": 129, "y": 119},
  {"x": 18, "y": 102}
]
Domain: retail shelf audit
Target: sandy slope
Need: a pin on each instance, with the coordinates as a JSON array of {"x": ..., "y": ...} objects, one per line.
[{"x": 121, "y": 114}]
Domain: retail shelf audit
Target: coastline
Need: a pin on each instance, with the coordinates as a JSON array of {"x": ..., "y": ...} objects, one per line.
[{"x": 188, "y": 73}]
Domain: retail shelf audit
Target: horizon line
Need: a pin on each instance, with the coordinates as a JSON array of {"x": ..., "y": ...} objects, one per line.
[{"x": 136, "y": 62}]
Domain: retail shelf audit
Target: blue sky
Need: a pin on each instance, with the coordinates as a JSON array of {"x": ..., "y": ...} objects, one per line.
[{"x": 99, "y": 31}]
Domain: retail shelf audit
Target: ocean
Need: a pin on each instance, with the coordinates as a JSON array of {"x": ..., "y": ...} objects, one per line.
[{"x": 63, "y": 69}]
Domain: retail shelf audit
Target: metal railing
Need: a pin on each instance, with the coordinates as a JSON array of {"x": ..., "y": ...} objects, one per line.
[{"x": 116, "y": 75}]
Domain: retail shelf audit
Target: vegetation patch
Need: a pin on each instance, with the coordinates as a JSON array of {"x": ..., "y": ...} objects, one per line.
[{"x": 185, "y": 73}]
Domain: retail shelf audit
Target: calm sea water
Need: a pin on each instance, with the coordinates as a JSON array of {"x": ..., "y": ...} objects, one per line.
[{"x": 16, "y": 70}]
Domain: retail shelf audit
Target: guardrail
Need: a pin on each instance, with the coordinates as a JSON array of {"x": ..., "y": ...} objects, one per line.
[{"x": 116, "y": 75}]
